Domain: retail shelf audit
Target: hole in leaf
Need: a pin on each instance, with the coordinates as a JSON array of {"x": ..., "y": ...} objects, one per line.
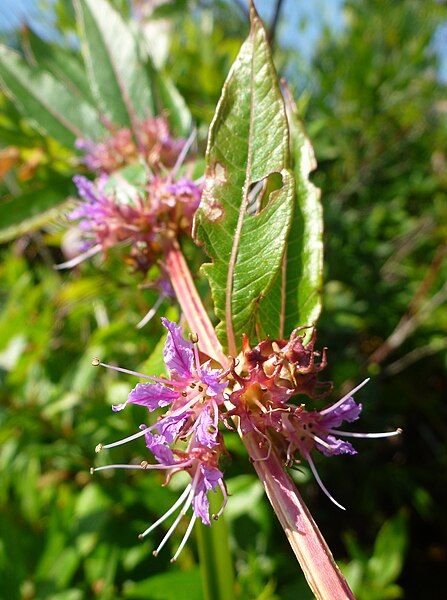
[{"x": 259, "y": 192}]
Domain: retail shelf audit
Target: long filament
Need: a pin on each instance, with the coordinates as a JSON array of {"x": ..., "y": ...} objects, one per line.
[
  {"x": 320, "y": 483},
  {"x": 168, "y": 513},
  {"x": 355, "y": 434},
  {"x": 80, "y": 258},
  {"x": 348, "y": 395}
]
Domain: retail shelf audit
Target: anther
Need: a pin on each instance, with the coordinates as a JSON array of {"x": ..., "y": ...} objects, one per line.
[
  {"x": 140, "y": 536},
  {"x": 144, "y": 464},
  {"x": 399, "y": 430},
  {"x": 216, "y": 517},
  {"x": 193, "y": 338},
  {"x": 200, "y": 388},
  {"x": 98, "y": 448},
  {"x": 95, "y": 361},
  {"x": 154, "y": 553},
  {"x": 184, "y": 394},
  {"x": 192, "y": 385},
  {"x": 92, "y": 470}
]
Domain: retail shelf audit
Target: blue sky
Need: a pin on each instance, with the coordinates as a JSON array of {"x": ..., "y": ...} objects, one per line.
[{"x": 300, "y": 25}]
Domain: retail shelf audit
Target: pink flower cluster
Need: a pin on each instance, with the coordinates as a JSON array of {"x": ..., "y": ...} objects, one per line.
[
  {"x": 260, "y": 390},
  {"x": 154, "y": 145}
]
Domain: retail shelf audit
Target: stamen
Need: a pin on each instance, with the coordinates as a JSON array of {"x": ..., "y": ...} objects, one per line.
[
  {"x": 168, "y": 513},
  {"x": 181, "y": 514},
  {"x": 185, "y": 538},
  {"x": 181, "y": 157},
  {"x": 130, "y": 438},
  {"x": 151, "y": 312},
  {"x": 355, "y": 434},
  {"x": 320, "y": 441},
  {"x": 225, "y": 500},
  {"x": 320, "y": 483},
  {"x": 351, "y": 393},
  {"x": 80, "y": 258},
  {"x": 97, "y": 363},
  {"x": 141, "y": 467}
]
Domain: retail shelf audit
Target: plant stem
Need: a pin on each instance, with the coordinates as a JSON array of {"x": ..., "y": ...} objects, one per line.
[
  {"x": 191, "y": 303},
  {"x": 316, "y": 560}
]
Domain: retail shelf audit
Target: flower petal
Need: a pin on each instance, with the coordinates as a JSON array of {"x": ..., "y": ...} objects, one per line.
[
  {"x": 337, "y": 447},
  {"x": 152, "y": 395},
  {"x": 178, "y": 353},
  {"x": 349, "y": 411},
  {"x": 156, "y": 444},
  {"x": 206, "y": 431},
  {"x": 208, "y": 480}
]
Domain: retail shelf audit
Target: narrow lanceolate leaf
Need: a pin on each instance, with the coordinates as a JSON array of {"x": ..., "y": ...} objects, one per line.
[
  {"x": 248, "y": 145},
  {"x": 117, "y": 77},
  {"x": 66, "y": 66},
  {"x": 170, "y": 100},
  {"x": 33, "y": 209},
  {"x": 46, "y": 102},
  {"x": 295, "y": 299}
]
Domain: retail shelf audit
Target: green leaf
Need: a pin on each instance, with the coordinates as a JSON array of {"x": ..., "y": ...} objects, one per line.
[
  {"x": 33, "y": 209},
  {"x": 248, "y": 143},
  {"x": 298, "y": 288},
  {"x": 170, "y": 100},
  {"x": 118, "y": 79},
  {"x": 389, "y": 549},
  {"x": 60, "y": 62},
  {"x": 171, "y": 585},
  {"x": 51, "y": 107}
]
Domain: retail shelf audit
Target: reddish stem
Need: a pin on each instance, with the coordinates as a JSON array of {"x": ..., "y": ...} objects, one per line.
[
  {"x": 191, "y": 304},
  {"x": 316, "y": 560}
]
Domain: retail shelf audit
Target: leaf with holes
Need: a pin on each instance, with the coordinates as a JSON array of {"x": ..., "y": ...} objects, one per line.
[
  {"x": 247, "y": 205},
  {"x": 117, "y": 76},
  {"x": 295, "y": 299},
  {"x": 47, "y": 102}
]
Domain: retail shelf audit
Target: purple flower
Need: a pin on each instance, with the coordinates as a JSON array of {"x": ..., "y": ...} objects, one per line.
[
  {"x": 192, "y": 395},
  {"x": 178, "y": 353},
  {"x": 207, "y": 481}
]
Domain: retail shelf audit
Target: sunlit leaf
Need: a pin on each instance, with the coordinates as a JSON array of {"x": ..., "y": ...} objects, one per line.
[
  {"x": 117, "y": 77},
  {"x": 46, "y": 102},
  {"x": 248, "y": 145},
  {"x": 33, "y": 209},
  {"x": 296, "y": 297}
]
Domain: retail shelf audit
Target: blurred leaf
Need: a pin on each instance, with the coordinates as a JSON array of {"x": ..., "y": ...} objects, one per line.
[
  {"x": 173, "y": 585},
  {"x": 246, "y": 249},
  {"x": 46, "y": 102},
  {"x": 117, "y": 77},
  {"x": 62, "y": 63},
  {"x": 171, "y": 101},
  {"x": 386, "y": 563},
  {"x": 33, "y": 209}
]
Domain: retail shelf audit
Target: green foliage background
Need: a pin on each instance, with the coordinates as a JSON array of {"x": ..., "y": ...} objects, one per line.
[{"x": 376, "y": 112}]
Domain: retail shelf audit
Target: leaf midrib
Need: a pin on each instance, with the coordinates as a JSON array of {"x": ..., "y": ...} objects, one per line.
[{"x": 242, "y": 211}]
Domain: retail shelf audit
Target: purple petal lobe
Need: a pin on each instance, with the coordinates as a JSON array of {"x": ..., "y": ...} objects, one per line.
[
  {"x": 349, "y": 411},
  {"x": 170, "y": 427},
  {"x": 211, "y": 378},
  {"x": 336, "y": 447},
  {"x": 206, "y": 431},
  {"x": 208, "y": 480},
  {"x": 178, "y": 353},
  {"x": 152, "y": 395},
  {"x": 156, "y": 444}
]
